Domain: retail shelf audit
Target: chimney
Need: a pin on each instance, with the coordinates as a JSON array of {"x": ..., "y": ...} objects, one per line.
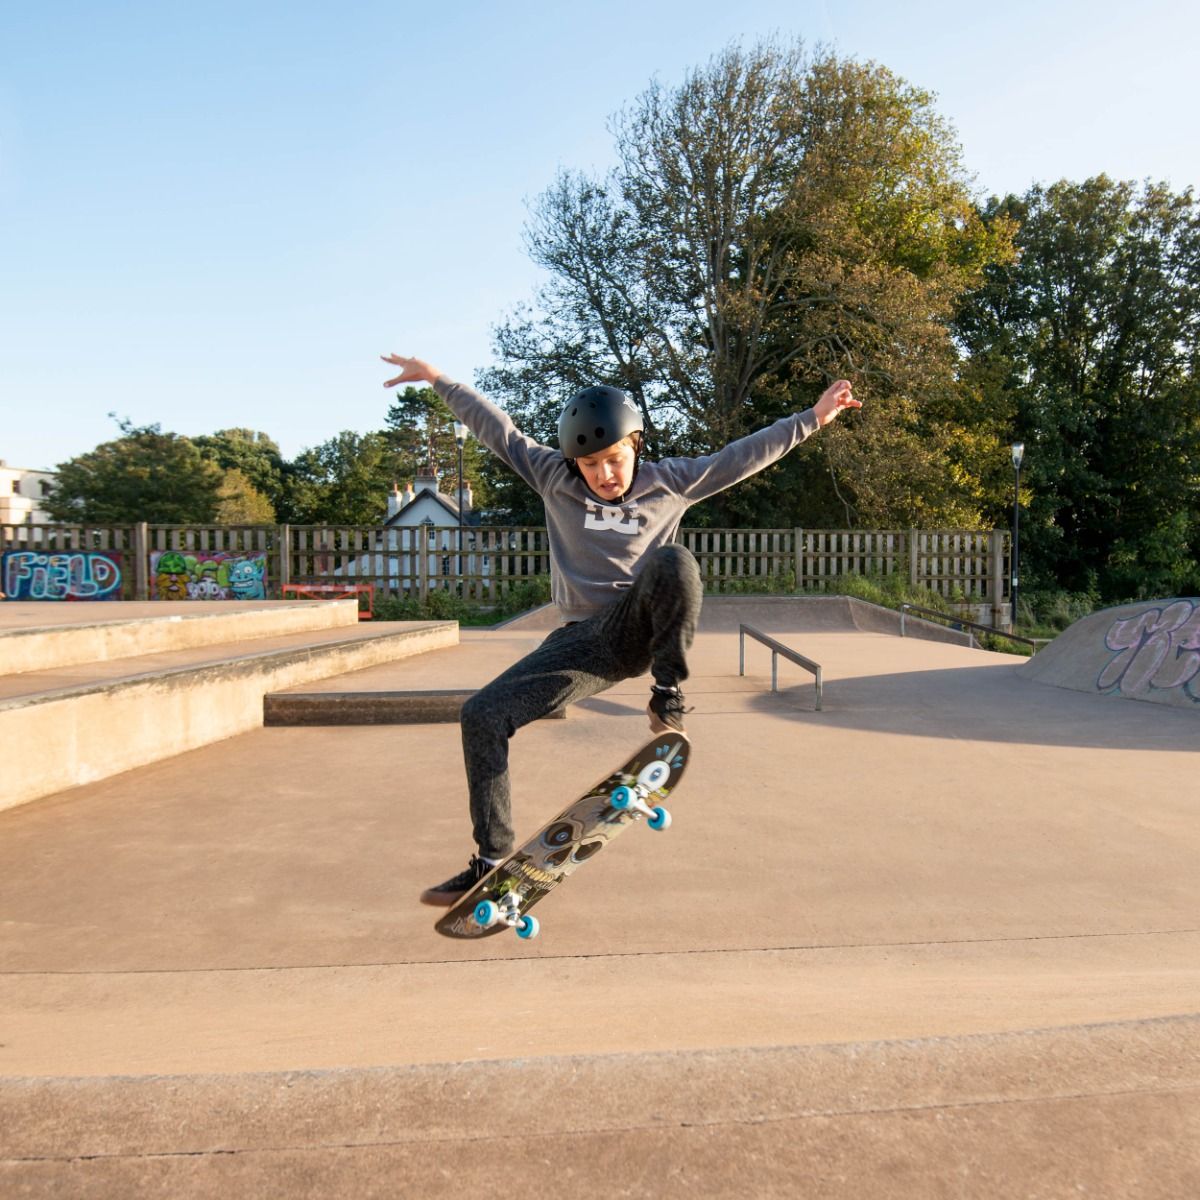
[
  {"x": 409, "y": 495},
  {"x": 468, "y": 499},
  {"x": 394, "y": 501},
  {"x": 429, "y": 479}
]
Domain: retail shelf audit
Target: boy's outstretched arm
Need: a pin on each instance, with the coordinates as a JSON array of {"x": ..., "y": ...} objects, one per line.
[
  {"x": 490, "y": 424},
  {"x": 698, "y": 478},
  {"x": 836, "y": 397},
  {"x": 412, "y": 370}
]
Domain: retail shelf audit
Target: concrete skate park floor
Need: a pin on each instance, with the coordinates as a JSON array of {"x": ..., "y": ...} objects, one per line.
[{"x": 946, "y": 851}]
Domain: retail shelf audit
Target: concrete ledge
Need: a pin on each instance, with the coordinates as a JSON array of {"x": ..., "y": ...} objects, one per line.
[
  {"x": 60, "y": 739},
  {"x": 818, "y": 614},
  {"x": 431, "y": 707},
  {"x": 150, "y": 627},
  {"x": 543, "y": 618},
  {"x": 799, "y": 613},
  {"x": 1004, "y": 1114}
]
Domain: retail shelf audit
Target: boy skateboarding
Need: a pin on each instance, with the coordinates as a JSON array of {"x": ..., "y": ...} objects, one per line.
[{"x": 628, "y": 595}]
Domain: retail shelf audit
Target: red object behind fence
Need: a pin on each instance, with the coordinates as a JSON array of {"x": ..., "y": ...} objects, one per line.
[{"x": 335, "y": 589}]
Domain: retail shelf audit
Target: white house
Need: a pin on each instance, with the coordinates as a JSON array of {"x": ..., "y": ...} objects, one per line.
[
  {"x": 425, "y": 541},
  {"x": 21, "y": 493},
  {"x": 423, "y": 503}
]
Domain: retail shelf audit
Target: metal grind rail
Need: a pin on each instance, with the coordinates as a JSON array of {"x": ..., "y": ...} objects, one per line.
[
  {"x": 960, "y": 624},
  {"x": 777, "y": 649}
]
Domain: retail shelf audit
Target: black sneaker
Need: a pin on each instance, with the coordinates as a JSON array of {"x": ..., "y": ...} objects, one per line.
[
  {"x": 666, "y": 709},
  {"x": 445, "y": 894}
]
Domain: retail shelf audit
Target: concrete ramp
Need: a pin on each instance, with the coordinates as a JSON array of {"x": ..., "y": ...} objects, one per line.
[
  {"x": 779, "y": 614},
  {"x": 1145, "y": 651}
]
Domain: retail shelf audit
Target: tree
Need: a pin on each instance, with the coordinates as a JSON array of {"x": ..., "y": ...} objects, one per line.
[
  {"x": 419, "y": 429},
  {"x": 145, "y": 475},
  {"x": 344, "y": 481},
  {"x": 1088, "y": 345},
  {"x": 774, "y": 222},
  {"x": 239, "y": 502},
  {"x": 253, "y": 453}
]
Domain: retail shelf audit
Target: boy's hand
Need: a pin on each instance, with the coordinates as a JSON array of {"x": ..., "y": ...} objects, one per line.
[
  {"x": 836, "y": 397},
  {"x": 412, "y": 370}
]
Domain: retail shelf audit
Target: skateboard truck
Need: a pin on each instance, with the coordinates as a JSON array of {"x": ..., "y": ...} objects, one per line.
[
  {"x": 508, "y": 910},
  {"x": 650, "y": 778}
]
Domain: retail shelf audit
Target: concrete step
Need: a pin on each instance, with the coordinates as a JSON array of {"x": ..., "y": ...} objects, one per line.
[
  {"x": 41, "y": 636},
  {"x": 73, "y": 725},
  {"x": 428, "y": 707},
  {"x": 426, "y": 689},
  {"x": 1102, "y": 1110}
]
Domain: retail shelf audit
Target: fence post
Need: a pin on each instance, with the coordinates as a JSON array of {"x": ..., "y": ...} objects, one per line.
[
  {"x": 284, "y": 536},
  {"x": 912, "y": 557},
  {"x": 141, "y": 561},
  {"x": 996, "y": 575},
  {"x": 798, "y": 553}
]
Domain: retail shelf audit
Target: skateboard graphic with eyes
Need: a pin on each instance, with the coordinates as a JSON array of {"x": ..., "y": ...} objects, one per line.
[{"x": 632, "y": 794}]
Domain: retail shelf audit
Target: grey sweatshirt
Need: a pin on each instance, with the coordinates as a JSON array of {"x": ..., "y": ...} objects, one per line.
[{"x": 596, "y": 549}]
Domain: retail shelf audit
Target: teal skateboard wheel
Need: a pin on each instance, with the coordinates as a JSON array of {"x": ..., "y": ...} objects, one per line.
[{"x": 622, "y": 797}]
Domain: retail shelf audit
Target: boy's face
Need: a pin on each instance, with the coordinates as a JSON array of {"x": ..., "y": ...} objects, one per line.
[{"x": 609, "y": 472}]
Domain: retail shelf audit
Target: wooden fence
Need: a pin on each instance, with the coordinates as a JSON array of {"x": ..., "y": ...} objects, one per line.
[{"x": 480, "y": 563}]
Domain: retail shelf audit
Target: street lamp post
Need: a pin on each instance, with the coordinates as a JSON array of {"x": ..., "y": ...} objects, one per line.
[
  {"x": 1018, "y": 453},
  {"x": 460, "y": 440}
]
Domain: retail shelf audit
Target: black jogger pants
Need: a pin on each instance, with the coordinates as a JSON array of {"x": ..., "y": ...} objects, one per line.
[{"x": 650, "y": 627}]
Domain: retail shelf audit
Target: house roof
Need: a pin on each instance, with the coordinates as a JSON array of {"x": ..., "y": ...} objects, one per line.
[{"x": 446, "y": 502}]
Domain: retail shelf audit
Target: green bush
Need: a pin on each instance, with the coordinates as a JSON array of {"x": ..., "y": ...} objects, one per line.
[
  {"x": 398, "y": 608},
  {"x": 531, "y": 593},
  {"x": 888, "y": 591},
  {"x": 445, "y": 605},
  {"x": 781, "y": 584},
  {"x": 1050, "y": 612}
]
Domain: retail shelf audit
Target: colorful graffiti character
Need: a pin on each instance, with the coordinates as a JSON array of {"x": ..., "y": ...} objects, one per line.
[
  {"x": 171, "y": 576},
  {"x": 218, "y": 576},
  {"x": 204, "y": 581},
  {"x": 246, "y": 579},
  {"x": 206, "y": 588}
]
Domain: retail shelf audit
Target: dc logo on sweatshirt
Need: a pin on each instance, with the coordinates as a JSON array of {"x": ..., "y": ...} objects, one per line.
[{"x": 607, "y": 516}]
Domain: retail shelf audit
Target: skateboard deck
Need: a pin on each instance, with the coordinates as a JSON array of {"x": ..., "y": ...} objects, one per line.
[{"x": 631, "y": 794}]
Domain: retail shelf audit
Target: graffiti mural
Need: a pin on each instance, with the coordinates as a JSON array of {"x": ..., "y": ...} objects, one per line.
[
  {"x": 70, "y": 575},
  {"x": 178, "y": 575},
  {"x": 1156, "y": 649}
]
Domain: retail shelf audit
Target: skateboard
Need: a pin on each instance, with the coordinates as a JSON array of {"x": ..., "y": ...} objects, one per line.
[{"x": 632, "y": 793}]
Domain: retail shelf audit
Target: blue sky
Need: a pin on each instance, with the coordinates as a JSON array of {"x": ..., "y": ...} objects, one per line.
[{"x": 219, "y": 214}]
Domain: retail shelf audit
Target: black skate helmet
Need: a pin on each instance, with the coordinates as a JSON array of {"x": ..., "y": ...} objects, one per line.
[{"x": 597, "y": 418}]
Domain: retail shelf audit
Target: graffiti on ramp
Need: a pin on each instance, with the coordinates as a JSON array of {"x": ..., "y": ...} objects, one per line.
[{"x": 1146, "y": 651}]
